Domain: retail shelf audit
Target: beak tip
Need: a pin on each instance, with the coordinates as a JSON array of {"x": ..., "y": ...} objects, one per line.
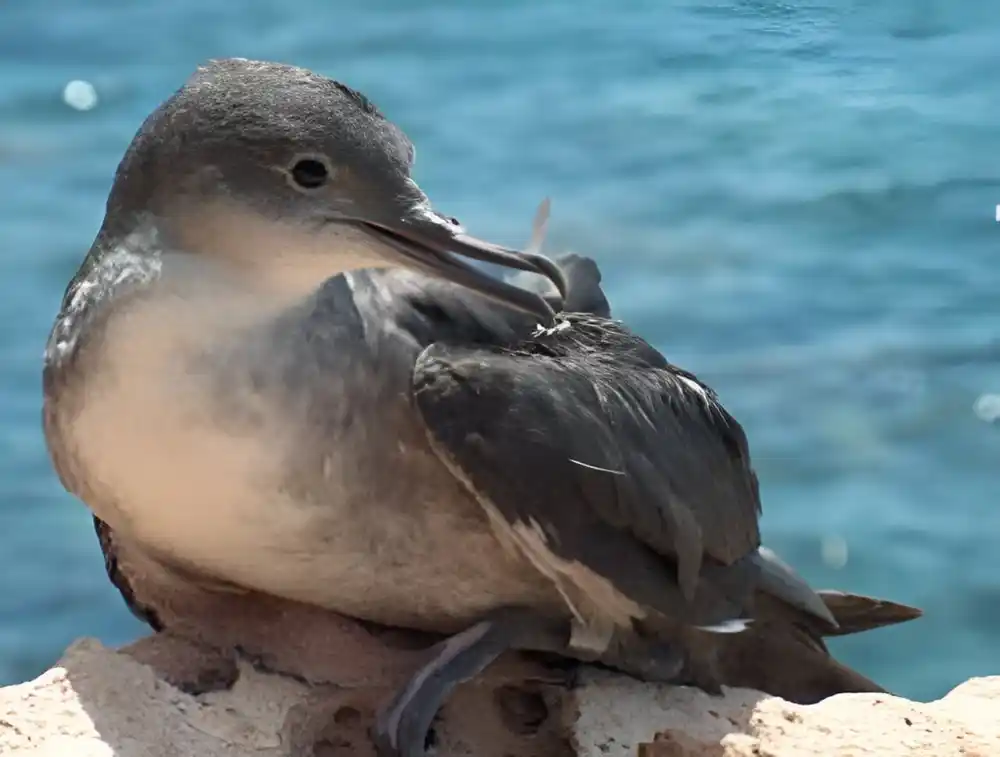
[{"x": 431, "y": 241}]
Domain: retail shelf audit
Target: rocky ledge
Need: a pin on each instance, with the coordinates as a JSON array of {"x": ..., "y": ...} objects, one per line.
[{"x": 98, "y": 702}]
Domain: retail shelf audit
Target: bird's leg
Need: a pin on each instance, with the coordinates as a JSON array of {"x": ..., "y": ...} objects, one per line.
[
  {"x": 658, "y": 654},
  {"x": 648, "y": 659},
  {"x": 401, "y": 728}
]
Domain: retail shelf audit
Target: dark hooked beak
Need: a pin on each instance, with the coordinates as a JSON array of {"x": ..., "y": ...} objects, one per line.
[{"x": 432, "y": 244}]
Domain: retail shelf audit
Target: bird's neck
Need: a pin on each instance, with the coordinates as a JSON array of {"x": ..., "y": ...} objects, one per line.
[{"x": 282, "y": 260}]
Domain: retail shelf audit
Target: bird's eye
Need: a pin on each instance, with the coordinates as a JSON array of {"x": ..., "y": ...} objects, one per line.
[{"x": 310, "y": 173}]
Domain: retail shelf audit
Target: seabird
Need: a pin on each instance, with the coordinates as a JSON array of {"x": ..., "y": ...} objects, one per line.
[{"x": 274, "y": 370}]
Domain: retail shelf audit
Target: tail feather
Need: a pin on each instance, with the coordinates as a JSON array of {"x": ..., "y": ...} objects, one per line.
[
  {"x": 782, "y": 652},
  {"x": 785, "y": 660},
  {"x": 787, "y": 664},
  {"x": 856, "y": 613},
  {"x": 780, "y": 580},
  {"x": 826, "y": 612}
]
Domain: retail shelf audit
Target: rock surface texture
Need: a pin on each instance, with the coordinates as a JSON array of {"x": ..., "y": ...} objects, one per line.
[{"x": 101, "y": 703}]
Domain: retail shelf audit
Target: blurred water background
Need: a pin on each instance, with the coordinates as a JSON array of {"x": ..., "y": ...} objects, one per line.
[{"x": 794, "y": 200}]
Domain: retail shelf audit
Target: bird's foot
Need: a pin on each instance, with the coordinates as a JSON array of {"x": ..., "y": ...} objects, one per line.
[{"x": 403, "y": 727}]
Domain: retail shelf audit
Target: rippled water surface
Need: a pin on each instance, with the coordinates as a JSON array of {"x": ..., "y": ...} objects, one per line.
[{"x": 795, "y": 200}]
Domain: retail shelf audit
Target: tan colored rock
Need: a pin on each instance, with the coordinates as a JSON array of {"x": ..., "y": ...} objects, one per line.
[
  {"x": 101, "y": 703},
  {"x": 615, "y": 714}
]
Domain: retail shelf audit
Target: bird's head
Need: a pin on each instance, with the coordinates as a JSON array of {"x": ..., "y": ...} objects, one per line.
[{"x": 294, "y": 178}]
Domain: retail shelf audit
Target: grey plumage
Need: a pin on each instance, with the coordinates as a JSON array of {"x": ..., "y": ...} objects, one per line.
[{"x": 275, "y": 374}]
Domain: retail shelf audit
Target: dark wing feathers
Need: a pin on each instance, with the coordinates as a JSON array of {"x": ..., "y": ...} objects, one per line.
[
  {"x": 628, "y": 465},
  {"x": 583, "y": 285},
  {"x": 856, "y": 613}
]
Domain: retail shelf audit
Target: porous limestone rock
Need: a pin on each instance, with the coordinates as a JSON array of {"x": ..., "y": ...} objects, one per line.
[
  {"x": 616, "y": 716},
  {"x": 101, "y": 703}
]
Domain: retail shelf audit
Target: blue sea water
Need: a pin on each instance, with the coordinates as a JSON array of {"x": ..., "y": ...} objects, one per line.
[{"x": 794, "y": 200}]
